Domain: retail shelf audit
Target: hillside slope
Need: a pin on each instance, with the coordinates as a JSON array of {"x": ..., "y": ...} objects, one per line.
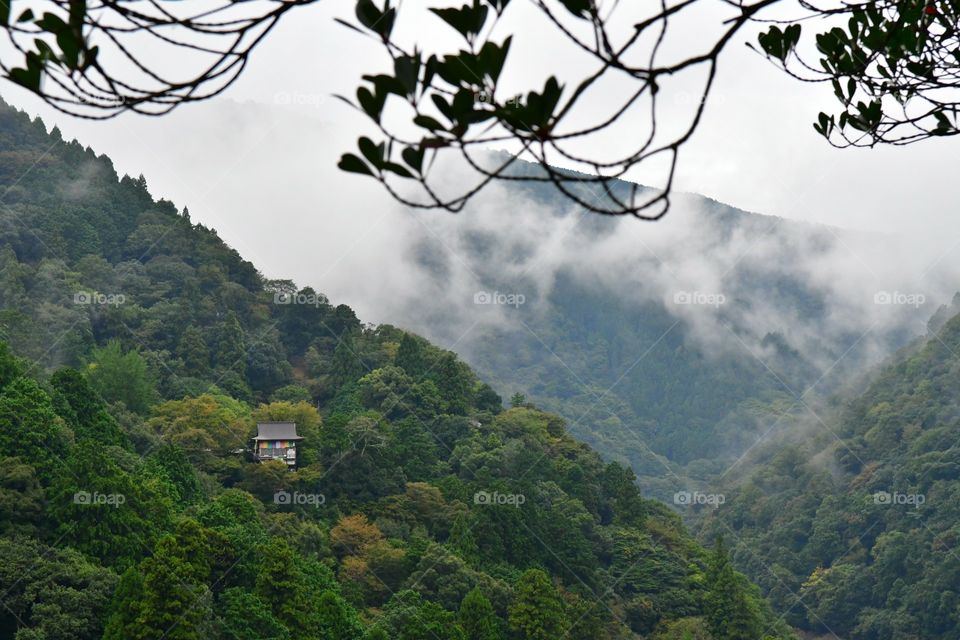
[
  {"x": 142, "y": 353},
  {"x": 858, "y": 517}
]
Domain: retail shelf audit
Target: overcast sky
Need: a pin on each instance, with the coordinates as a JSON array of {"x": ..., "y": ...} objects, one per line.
[{"x": 258, "y": 164}]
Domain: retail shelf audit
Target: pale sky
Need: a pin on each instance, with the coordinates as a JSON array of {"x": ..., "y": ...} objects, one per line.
[{"x": 258, "y": 164}]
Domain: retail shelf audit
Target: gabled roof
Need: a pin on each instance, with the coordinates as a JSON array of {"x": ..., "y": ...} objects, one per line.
[{"x": 277, "y": 431}]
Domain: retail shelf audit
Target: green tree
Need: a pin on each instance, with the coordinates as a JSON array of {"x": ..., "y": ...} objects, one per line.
[
  {"x": 346, "y": 366},
  {"x": 30, "y": 428},
  {"x": 104, "y": 510},
  {"x": 121, "y": 377},
  {"x": 231, "y": 354},
  {"x": 537, "y": 612},
  {"x": 731, "y": 613},
  {"x": 477, "y": 618},
  {"x": 244, "y": 616},
  {"x": 334, "y": 618},
  {"x": 193, "y": 351},
  {"x": 84, "y": 410},
  {"x": 11, "y": 367},
  {"x": 411, "y": 356},
  {"x": 175, "y": 603},
  {"x": 55, "y": 594}
]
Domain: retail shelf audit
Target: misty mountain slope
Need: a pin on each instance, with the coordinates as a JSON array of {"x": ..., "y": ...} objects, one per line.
[
  {"x": 859, "y": 519},
  {"x": 678, "y": 342},
  {"x": 139, "y": 352}
]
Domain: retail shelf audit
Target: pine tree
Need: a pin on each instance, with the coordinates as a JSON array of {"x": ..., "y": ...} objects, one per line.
[
  {"x": 731, "y": 613},
  {"x": 537, "y": 612},
  {"x": 477, "y": 618}
]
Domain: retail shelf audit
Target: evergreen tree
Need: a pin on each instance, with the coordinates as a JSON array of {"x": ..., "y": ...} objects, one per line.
[
  {"x": 193, "y": 351},
  {"x": 518, "y": 400},
  {"x": 455, "y": 383},
  {"x": 84, "y": 410},
  {"x": 346, "y": 366},
  {"x": 175, "y": 605},
  {"x": 537, "y": 612},
  {"x": 477, "y": 618},
  {"x": 231, "y": 348},
  {"x": 731, "y": 613},
  {"x": 411, "y": 356},
  {"x": 334, "y": 619},
  {"x": 29, "y": 426},
  {"x": 244, "y": 616},
  {"x": 104, "y": 510}
]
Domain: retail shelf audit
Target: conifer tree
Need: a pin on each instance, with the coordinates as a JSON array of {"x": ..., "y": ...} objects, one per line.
[
  {"x": 537, "y": 612},
  {"x": 477, "y": 618}
]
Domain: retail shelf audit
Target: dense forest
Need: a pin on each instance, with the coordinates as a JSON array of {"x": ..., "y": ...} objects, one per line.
[
  {"x": 858, "y": 518},
  {"x": 139, "y": 352}
]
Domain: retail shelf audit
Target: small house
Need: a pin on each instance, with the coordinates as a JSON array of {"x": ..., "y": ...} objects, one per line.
[{"x": 277, "y": 441}]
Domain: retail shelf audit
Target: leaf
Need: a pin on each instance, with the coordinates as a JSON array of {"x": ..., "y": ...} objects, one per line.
[
  {"x": 468, "y": 20},
  {"x": 400, "y": 170},
  {"x": 579, "y": 8},
  {"x": 352, "y": 164},
  {"x": 413, "y": 157},
  {"x": 371, "y": 151},
  {"x": 428, "y": 123}
]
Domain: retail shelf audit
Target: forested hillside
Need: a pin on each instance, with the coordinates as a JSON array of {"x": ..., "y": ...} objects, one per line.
[
  {"x": 138, "y": 354},
  {"x": 675, "y": 345},
  {"x": 853, "y": 527}
]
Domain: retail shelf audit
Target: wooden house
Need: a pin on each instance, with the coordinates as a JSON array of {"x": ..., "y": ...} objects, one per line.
[{"x": 277, "y": 441}]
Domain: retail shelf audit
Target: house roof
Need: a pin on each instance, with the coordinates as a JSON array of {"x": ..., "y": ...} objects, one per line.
[{"x": 277, "y": 431}]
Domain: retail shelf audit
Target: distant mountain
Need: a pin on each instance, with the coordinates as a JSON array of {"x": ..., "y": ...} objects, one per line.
[{"x": 670, "y": 346}]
